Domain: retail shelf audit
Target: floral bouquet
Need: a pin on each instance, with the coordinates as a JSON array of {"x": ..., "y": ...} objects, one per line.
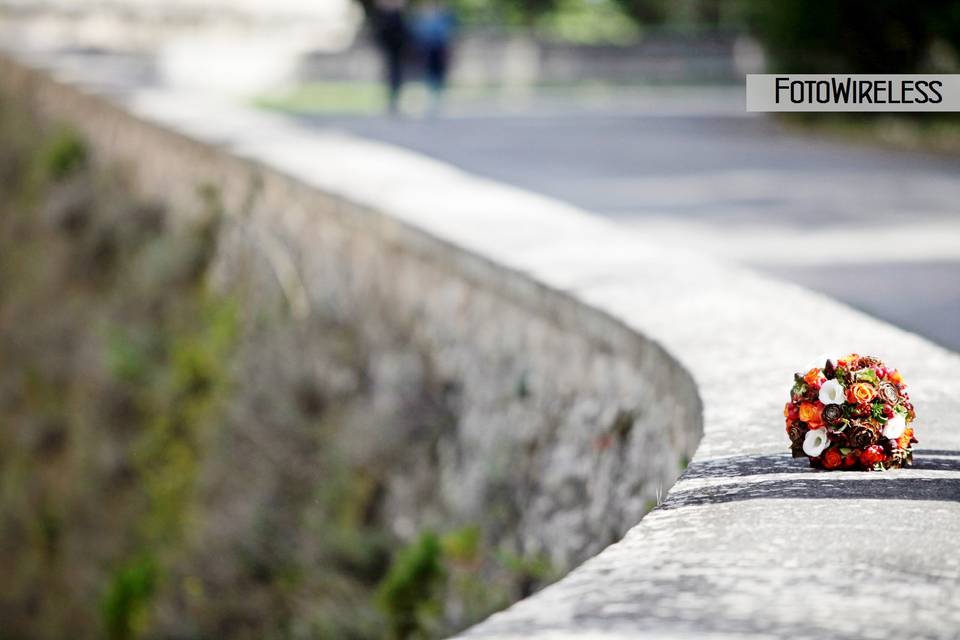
[{"x": 851, "y": 414}]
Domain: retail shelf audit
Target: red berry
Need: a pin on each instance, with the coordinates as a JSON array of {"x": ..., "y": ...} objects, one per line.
[{"x": 872, "y": 455}]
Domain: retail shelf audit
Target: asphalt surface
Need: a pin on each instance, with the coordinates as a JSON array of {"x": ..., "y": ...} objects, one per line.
[{"x": 876, "y": 228}]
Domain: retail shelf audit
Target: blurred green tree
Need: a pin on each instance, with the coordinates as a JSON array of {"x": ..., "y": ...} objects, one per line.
[
  {"x": 854, "y": 36},
  {"x": 690, "y": 13}
]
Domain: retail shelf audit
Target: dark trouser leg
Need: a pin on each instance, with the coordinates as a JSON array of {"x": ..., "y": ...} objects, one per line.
[
  {"x": 437, "y": 60},
  {"x": 394, "y": 78}
]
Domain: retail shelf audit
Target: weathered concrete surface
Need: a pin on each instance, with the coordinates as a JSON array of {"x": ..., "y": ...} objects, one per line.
[{"x": 748, "y": 543}]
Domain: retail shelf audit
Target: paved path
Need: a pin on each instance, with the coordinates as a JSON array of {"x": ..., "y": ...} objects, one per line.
[{"x": 878, "y": 229}]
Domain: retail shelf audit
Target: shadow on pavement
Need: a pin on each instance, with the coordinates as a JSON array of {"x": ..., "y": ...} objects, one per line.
[{"x": 818, "y": 484}]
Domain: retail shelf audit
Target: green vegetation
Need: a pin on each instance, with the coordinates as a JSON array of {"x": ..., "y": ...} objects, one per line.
[
  {"x": 184, "y": 460},
  {"x": 436, "y": 575},
  {"x": 864, "y": 36},
  {"x": 409, "y": 593},
  {"x": 126, "y": 599},
  {"x": 852, "y": 36},
  {"x": 62, "y": 153},
  {"x": 358, "y": 98},
  {"x": 858, "y": 36}
]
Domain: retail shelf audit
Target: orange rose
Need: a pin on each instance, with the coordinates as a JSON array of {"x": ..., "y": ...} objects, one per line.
[
  {"x": 814, "y": 378},
  {"x": 861, "y": 393},
  {"x": 810, "y": 413},
  {"x": 894, "y": 376},
  {"x": 905, "y": 439}
]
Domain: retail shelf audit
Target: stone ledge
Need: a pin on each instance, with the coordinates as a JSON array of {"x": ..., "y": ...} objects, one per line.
[{"x": 748, "y": 543}]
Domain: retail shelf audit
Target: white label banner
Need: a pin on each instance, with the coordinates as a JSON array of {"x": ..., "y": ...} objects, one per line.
[{"x": 841, "y": 92}]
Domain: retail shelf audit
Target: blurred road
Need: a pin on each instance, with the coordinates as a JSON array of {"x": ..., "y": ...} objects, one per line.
[{"x": 878, "y": 229}]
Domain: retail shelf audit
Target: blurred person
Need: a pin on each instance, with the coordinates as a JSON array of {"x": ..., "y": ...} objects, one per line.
[
  {"x": 393, "y": 35},
  {"x": 434, "y": 29}
]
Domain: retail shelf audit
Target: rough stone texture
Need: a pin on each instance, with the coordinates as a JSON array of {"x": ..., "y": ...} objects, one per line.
[
  {"x": 748, "y": 543},
  {"x": 569, "y": 426}
]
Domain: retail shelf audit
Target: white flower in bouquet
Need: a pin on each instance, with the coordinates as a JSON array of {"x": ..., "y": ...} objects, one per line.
[
  {"x": 831, "y": 392},
  {"x": 815, "y": 442},
  {"x": 895, "y": 427}
]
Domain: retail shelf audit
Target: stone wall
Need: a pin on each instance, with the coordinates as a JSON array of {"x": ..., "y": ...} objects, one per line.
[{"x": 570, "y": 424}]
